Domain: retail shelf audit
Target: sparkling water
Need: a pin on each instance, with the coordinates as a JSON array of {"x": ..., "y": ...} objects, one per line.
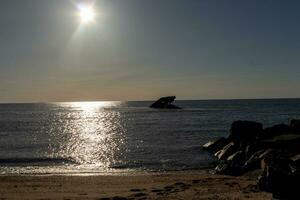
[{"x": 112, "y": 137}]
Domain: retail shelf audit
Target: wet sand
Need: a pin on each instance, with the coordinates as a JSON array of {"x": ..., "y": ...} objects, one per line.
[{"x": 170, "y": 185}]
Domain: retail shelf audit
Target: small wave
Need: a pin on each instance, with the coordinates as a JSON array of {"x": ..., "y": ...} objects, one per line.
[{"x": 36, "y": 161}]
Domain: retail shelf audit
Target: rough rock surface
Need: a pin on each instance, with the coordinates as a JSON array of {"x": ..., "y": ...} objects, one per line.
[
  {"x": 274, "y": 150},
  {"x": 245, "y": 132},
  {"x": 214, "y": 146}
]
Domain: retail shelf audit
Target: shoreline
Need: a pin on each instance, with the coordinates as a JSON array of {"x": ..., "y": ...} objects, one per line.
[
  {"x": 112, "y": 172},
  {"x": 198, "y": 184}
]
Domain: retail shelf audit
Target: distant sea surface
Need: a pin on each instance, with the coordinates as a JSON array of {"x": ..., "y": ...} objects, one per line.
[{"x": 112, "y": 137}]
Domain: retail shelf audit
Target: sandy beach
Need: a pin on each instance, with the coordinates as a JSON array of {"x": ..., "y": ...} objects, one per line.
[{"x": 169, "y": 185}]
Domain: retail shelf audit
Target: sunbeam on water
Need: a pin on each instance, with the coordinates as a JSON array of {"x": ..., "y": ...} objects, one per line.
[{"x": 90, "y": 135}]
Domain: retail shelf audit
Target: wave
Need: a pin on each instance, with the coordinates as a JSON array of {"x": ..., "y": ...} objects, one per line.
[{"x": 36, "y": 161}]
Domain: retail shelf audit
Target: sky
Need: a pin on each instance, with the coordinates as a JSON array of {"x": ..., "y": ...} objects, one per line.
[{"x": 144, "y": 49}]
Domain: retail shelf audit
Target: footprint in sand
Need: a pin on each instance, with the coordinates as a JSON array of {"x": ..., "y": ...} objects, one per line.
[
  {"x": 179, "y": 183},
  {"x": 114, "y": 198},
  {"x": 231, "y": 184},
  {"x": 119, "y": 198},
  {"x": 168, "y": 188},
  {"x": 182, "y": 186},
  {"x": 135, "y": 190},
  {"x": 138, "y": 195},
  {"x": 141, "y": 194},
  {"x": 138, "y": 190},
  {"x": 156, "y": 190},
  {"x": 196, "y": 181}
]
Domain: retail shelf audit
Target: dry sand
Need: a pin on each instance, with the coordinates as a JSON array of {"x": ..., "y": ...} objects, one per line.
[{"x": 171, "y": 185}]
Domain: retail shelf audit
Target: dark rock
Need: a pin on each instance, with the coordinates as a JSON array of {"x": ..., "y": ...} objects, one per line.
[
  {"x": 238, "y": 157},
  {"x": 275, "y": 150},
  {"x": 231, "y": 166},
  {"x": 295, "y": 125},
  {"x": 165, "y": 102},
  {"x": 296, "y": 160},
  {"x": 284, "y": 142},
  {"x": 295, "y": 164},
  {"x": 272, "y": 156},
  {"x": 245, "y": 132},
  {"x": 279, "y": 129},
  {"x": 214, "y": 146},
  {"x": 262, "y": 181},
  {"x": 254, "y": 162},
  {"x": 250, "y": 150},
  {"x": 279, "y": 179},
  {"x": 228, "y": 168},
  {"x": 222, "y": 167},
  {"x": 228, "y": 150}
]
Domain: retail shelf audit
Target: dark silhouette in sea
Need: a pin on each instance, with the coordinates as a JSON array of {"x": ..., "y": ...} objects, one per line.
[
  {"x": 165, "y": 103},
  {"x": 274, "y": 151}
]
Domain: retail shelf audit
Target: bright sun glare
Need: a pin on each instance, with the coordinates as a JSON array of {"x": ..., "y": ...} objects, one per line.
[{"x": 86, "y": 13}]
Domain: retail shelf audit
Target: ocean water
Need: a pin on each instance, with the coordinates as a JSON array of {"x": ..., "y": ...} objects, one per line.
[{"x": 113, "y": 137}]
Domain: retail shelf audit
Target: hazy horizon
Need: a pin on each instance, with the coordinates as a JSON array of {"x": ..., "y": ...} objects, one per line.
[
  {"x": 145, "y": 100},
  {"x": 138, "y": 49}
]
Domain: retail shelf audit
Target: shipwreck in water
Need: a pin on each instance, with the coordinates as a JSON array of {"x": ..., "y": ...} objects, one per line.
[{"x": 165, "y": 103}]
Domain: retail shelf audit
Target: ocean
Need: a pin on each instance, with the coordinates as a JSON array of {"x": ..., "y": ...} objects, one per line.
[{"x": 118, "y": 137}]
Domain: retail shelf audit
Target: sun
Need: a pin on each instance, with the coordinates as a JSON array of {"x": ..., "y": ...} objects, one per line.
[{"x": 86, "y": 13}]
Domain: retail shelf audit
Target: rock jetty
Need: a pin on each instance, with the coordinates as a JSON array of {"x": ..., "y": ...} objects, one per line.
[
  {"x": 165, "y": 102},
  {"x": 275, "y": 151}
]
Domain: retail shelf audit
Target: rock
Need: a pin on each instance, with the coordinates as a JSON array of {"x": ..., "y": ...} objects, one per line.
[
  {"x": 295, "y": 125},
  {"x": 245, "y": 132},
  {"x": 222, "y": 168},
  {"x": 279, "y": 129},
  {"x": 165, "y": 102},
  {"x": 237, "y": 159},
  {"x": 295, "y": 164},
  {"x": 285, "y": 142},
  {"x": 279, "y": 179},
  {"x": 275, "y": 149},
  {"x": 233, "y": 164},
  {"x": 272, "y": 156},
  {"x": 254, "y": 162},
  {"x": 214, "y": 146},
  {"x": 228, "y": 150},
  {"x": 296, "y": 160},
  {"x": 251, "y": 149}
]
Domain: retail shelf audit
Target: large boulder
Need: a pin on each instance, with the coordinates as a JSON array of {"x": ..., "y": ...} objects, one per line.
[
  {"x": 295, "y": 125},
  {"x": 254, "y": 162},
  {"x": 296, "y": 160},
  {"x": 228, "y": 150},
  {"x": 223, "y": 167},
  {"x": 279, "y": 129},
  {"x": 289, "y": 142},
  {"x": 165, "y": 102},
  {"x": 275, "y": 150},
  {"x": 238, "y": 157},
  {"x": 245, "y": 132},
  {"x": 214, "y": 146},
  {"x": 251, "y": 149},
  {"x": 233, "y": 165},
  {"x": 279, "y": 178}
]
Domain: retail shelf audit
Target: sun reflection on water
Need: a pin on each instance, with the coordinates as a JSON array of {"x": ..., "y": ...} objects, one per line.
[
  {"x": 92, "y": 105},
  {"x": 90, "y": 134}
]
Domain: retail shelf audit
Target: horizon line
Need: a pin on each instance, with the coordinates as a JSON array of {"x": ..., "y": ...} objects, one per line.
[{"x": 146, "y": 100}]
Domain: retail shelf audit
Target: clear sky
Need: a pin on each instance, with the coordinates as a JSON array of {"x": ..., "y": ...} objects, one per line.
[{"x": 143, "y": 49}]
